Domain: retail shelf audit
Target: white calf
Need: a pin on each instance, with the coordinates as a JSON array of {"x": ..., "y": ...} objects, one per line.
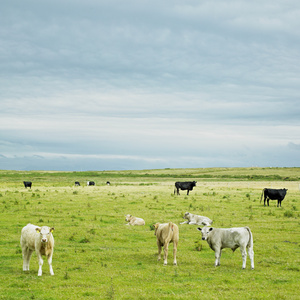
[
  {"x": 233, "y": 238},
  {"x": 134, "y": 220},
  {"x": 39, "y": 239},
  {"x": 196, "y": 219}
]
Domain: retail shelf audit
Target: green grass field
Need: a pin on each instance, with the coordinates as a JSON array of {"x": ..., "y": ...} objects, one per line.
[{"x": 97, "y": 257}]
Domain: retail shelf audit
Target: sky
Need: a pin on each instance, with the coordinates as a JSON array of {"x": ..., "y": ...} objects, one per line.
[{"x": 131, "y": 85}]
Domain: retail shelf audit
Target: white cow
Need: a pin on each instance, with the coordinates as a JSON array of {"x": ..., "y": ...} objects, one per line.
[
  {"x": 134, "y": 220},
  {"x": 167, "y": 233},
  {"x": 39, "y": 239},
  {"x": 233, "y": 238},
  {"x": 196, "y": 219}
]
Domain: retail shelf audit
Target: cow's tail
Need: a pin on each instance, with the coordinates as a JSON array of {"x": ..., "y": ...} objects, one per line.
[
  {"x": 170, "y": 230},
  {"x": 263, "y": 191},
  {"x": 250, "y": 242}
]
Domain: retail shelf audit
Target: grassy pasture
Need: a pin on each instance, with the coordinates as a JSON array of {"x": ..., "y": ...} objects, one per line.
[{"x": 97, "y": 257}]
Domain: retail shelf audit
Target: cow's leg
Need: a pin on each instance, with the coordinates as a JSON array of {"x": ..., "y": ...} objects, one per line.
[
  {"x": 244, "y": 256},
  {"x": 50, "y": 264},
  {"x": 25, "y": 261},
  {"x": 166, "y": 248},
  {"x": 194, "y": 223},
  {"x": 265, "y": 200},
  {"x": 178, "y": 191},
  {"x": 251, "y": 256},
  {"x": 188, "y": 192},
  {"x": 268, "y": 201},
  {"x": 185, "y": 222},
  {"x": 40, "y": 259},
  {"x": 26, "y": 258},
  {"x": 159, "y": 250},
  {"x": 174, "y": 253},
  {"x": 218, "y": 257}
]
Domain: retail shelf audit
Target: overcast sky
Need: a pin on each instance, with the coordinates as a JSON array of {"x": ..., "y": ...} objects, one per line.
[{"x": 114, "y": 85}]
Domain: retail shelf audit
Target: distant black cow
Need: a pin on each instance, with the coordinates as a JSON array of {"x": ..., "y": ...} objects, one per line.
[
  {"x": 90, "y": 183},
  {"x": 27, "y": 184},
  {"x": 273, "y": 194},
  {"x": 77, "y": 183},
  {"x": 107, "y": 182},
  {"x": 188, "y": 185}
]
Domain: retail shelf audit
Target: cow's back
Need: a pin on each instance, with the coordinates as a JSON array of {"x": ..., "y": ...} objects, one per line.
[
  {"x": 167, "y": 232},
  {"x": 228, "y": 237},
  {"x": 28, "y": 236}
]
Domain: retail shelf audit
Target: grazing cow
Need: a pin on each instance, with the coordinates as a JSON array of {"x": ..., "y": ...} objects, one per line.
[
  {"x": 90, "y": 183},
  {"x": 77, "y": 183},
  {"x": 196, "y": 219},
  {"x": 233, "y": 238},
  {"x": 27, "y": 184},
  {"x": 134, "y": 220},
  {"x": 39, "y": 239},
  {"x": 167, "y": 233},
  {"x": 188, "y": 185},
  {"x": 273, "y": 194},
  {"x": 107, "y": 183}
]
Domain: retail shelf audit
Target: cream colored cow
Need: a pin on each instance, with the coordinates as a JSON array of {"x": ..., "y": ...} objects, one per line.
[{"x": 167, "y": 233}]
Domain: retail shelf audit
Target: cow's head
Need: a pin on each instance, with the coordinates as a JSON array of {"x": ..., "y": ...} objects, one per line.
[
  {"x": 44, "y": 232},
  {"x": 128, "y": 218},
  {"x": 194, "y": 183},
  {"x": 186, "y": 215},
  {"x": 205, "y": 232}
]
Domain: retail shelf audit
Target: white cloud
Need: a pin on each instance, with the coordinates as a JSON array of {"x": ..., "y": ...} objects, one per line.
[{"x": 163, "y": 83}]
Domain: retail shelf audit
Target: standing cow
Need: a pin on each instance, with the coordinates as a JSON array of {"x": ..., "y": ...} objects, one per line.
[
  {"x": 167, "y": 233},
  {"x": 187, "y": 185},
  {"x": 27, "y": 184},
  {"x": 273, "y": 194},
  {"x": 77, "y": 183},
  {"x": 233, "y": 238},
  {"x": 40, "y": 240},
  {"x": 90, "y": 183}
]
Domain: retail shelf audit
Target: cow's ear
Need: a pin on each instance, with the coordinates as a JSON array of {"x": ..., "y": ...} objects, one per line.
[
  {"x": 210, "y": 229},
  {"x": 38, "y": 230},
  {"x": 156, "y": 225},
  {"x": 52, "y": 229},
  {"x": 199, "y": 229}
]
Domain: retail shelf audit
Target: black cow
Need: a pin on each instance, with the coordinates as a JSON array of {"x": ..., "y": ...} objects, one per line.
[
  {"x": 27, "y": 184},
  {"x": 107, "y": 182},
  {"x": 77, "y": 183},
  {"x": 188, "y": 185},
  {"x": 90, "y": 183},
  {"x": 273, "y": 194}
]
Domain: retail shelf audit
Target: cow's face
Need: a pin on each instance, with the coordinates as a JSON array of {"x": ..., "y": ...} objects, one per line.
[
  {"x": 205, "y": 232},
  {"x": 128, "y": 218},
  {"x": 44, "y": 233},
  {"x": 194, "y": 183},
  {"x": 186, "y": 215}
]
